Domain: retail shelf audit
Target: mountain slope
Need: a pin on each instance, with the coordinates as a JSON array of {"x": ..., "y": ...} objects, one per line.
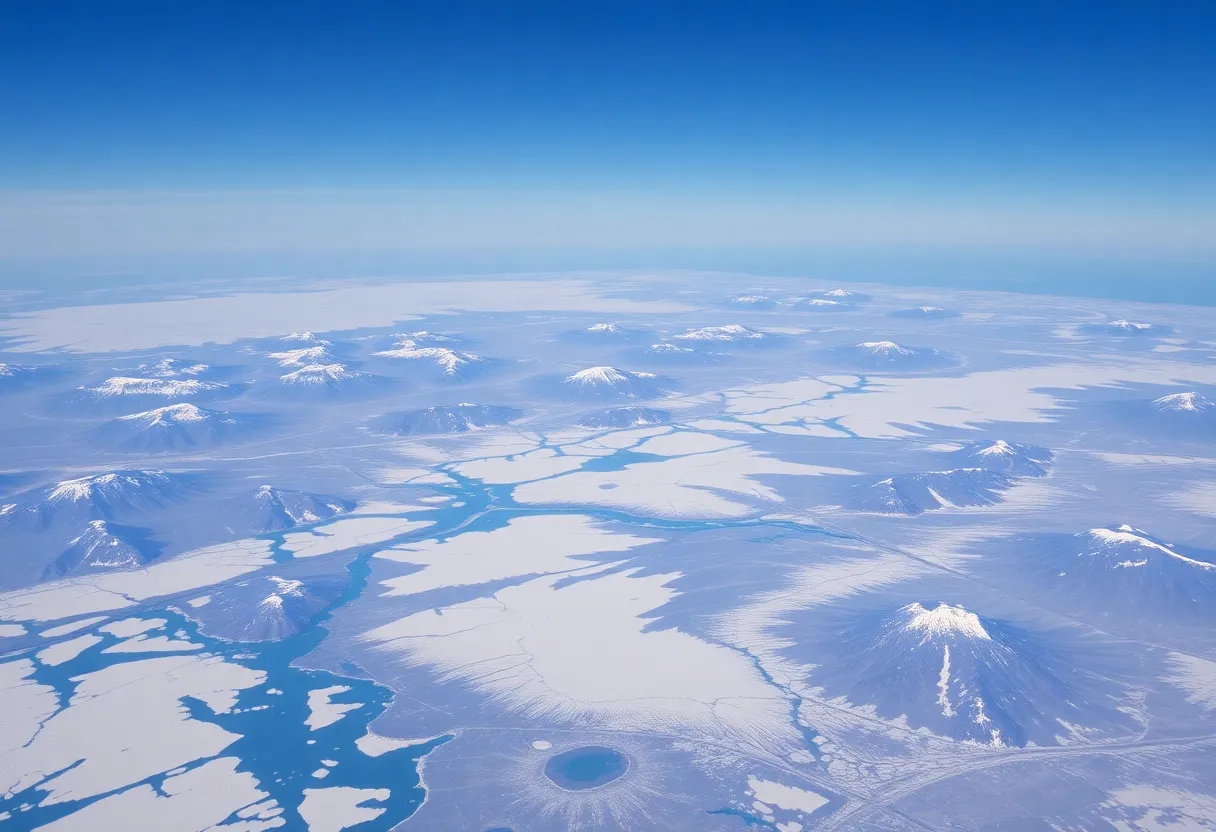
[
  {"x": 944, "y": 668},
  {"x": 457, "y": 418}
]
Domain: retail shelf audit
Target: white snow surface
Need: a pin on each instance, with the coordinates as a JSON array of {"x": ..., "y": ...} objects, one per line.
[
  {"x": 118, "y": 590},
  {"x": 322, "y": 711},
  {"x": 943, "y": 621},
  {"x": 125, "y": 723},
  {"x": 580, "y": 654},
  {"x": 340, "y": 807},
  {"x": 197, "y": 800},
  {"x": 528, "y": 545},
  {"x": 347, "y": 533}
]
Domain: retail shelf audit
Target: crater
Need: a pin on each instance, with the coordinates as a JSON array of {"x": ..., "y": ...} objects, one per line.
[{"x": 586, "y": 767}]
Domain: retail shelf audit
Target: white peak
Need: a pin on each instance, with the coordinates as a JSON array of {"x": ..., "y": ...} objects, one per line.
[
  {"x": 1123, "y": 323},
  {"x": 730, "y": 332},
  {"x": 273, "y": 602},
  {"x": 609, "y": 328},
  {"x": 126, "y": 386},
  {"x": 83, "y": 488},
  {"x": 309, "y": 337},
  {"x": 286, "y": 587},
  {"x": 884, "y": 348},
  {"x": 301, "y": 357},
  {"x": 446, "y": 359},
  {"x": 822, "y": 302},
  {"x": 1125, "y": 536},
  {"x": 943, "y": 621},
  {"x": 1184, "y": 403},
  {"x": 998, "y": 448},
  {"x": 170, "y": 367},
  {"x": 667, "y": 348},
  {"x": 598, "y": 375},
  {"x": 169, "y": 415},
  {"x": 6, "y": 370},
  {"x": 751, "y": 299},
  {"x": 931, "y": 309},
  {"x": 838, "y": 293},
  {"x": 314, "y": 374}
]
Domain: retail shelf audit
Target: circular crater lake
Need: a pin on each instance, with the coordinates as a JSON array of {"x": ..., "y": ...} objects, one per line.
[{"x": 586, "y": 767}]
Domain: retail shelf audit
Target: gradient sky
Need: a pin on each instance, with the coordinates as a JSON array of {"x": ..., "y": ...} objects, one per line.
[{"x": 244, "y": 127}]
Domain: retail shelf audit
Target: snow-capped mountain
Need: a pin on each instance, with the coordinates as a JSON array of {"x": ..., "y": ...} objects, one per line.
[
  {"x": 325, "y": 377},
  {"x": 303, "y": 357},
  {"x": 844, "y": 296},
  {"x": 913, "y": 494},
  {"x": 666, "y": 354},
  {"x": 305, "y": 337},
  {"x": 103, "y": 547},
  {"x": 821, "y": 304},
  {"x": 1006, "y": 457},
  {"x": 174, "y": 368},
  {"x": 729, "y": 334},
  {"x": 173, "y": 427},
  {"x": 14, "y": 376},
  {"x": 1118, "y": 577},
  {"x": 1184, "y": 403},
  {"x": 753, "y": 302},
  {"x": 607, "y": 383},
  {"x": 1188, "y": 416},
  {"x": 888, "y": 355},
  {"x": 625, "y": 417},
  {"x": 169, "y": 389},
  {"x": 266, "y": 608},
  {"x": 99, "y": 497},
  {"x": 447, "y": 362},
  {"x": 1124, "y": 327},
  {"x": 942, "y": 667},
  {"x": 605, "y": 333},
  {"x": 925, "y": 313},
  {"x": 457, "y": 418},
  {"x": 270, "y": 509}
]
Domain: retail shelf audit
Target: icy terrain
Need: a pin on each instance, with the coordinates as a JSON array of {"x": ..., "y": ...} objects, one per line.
[{"x": 614, "y": 551}]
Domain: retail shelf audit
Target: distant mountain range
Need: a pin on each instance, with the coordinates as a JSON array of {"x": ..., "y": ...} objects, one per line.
[
  {"x": 625, "y": 417},
  {"x": 457, "y": 418}
]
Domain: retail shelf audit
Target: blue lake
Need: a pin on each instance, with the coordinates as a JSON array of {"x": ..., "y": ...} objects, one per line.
[{"x": 587, "y": 767}]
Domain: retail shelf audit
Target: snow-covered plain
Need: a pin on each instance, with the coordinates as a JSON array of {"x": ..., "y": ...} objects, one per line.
[{"x": 592, "y": 543}]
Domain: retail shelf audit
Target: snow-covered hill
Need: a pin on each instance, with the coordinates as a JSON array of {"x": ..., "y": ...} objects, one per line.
[
  {"x": 944, "y": 668},
  {"x": 457, "y": 418},
  {"x": 926, "y": 313},
  {"x": 15, "y": 376},
  {"x": 173, "y": 427},
  {"x": 425, "y": 349},
  {"x": 610, "y": 383},
  {"x": 103, "y": 547},
  {"x": 1185, "y": 403},
  {"x": 1125, "y": 328},
  {"x": 753, "y": 302},
  {"x": 270, "y": 509},
  {"x": 149, "y": 388},
  {"x": 728, "y": 334},
  {"x": 266, "y": 607},
  {"x": 890, "y": 356},
  {"x": 326, "y": 378},
  {"x": 913, "y": 494},
  {"x": 1007, "y": 457},
  {"x": 625, "y": 417},
  {"x": 98, "y": 497}
]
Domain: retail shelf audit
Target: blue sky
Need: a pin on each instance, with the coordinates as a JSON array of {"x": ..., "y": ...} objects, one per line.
[{"x": 1027, "y": 126}]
